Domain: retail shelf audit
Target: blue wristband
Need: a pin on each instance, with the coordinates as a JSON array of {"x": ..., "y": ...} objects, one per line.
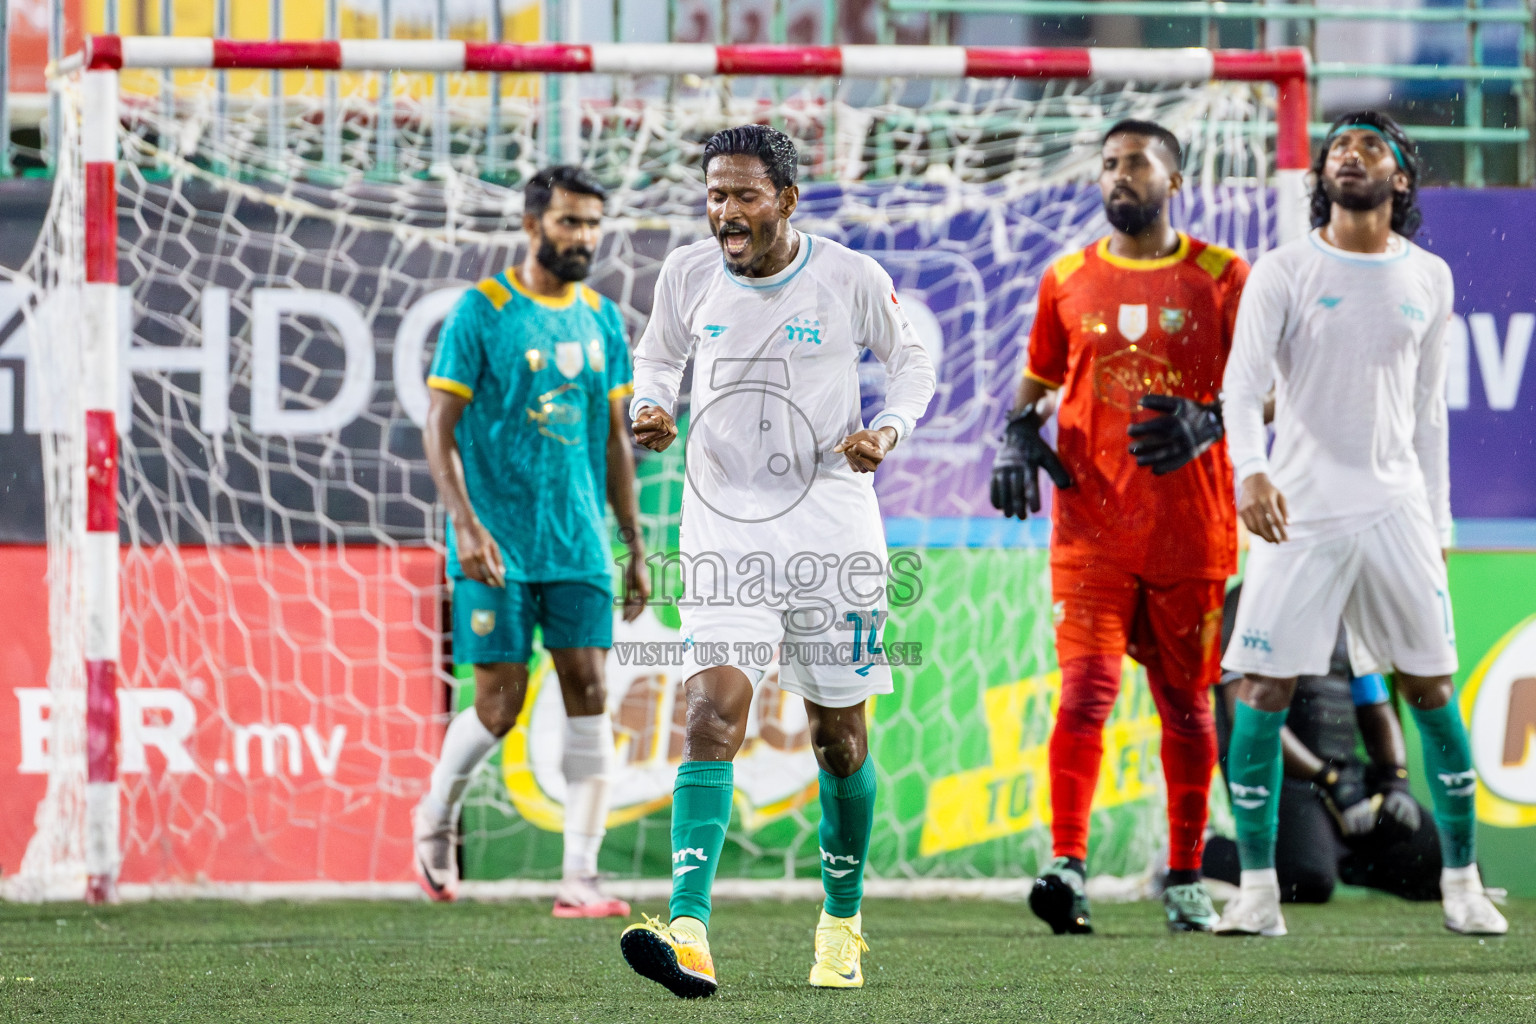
[{"x": 1368, "y": 690}]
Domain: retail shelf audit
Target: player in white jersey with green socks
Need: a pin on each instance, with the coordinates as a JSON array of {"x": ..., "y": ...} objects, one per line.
[
  {"x": 1351, "y": 509},
  {"x": 780, "y": 501}
]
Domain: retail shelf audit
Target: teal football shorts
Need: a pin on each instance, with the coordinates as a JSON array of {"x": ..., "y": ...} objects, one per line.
[{"x": 495, "y": 624}]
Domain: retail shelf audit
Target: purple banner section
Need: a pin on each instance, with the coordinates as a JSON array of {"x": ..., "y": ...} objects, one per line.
[
  {"x": 968, "y": 276},
  {"x": 965, "y": 263},
  {"x": 1488, "y": 236}
]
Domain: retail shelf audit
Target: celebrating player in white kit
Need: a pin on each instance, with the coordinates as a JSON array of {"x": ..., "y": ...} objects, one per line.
[
  {"x": 1352, "y": 508},
  {"x": 779, "y": 502}
]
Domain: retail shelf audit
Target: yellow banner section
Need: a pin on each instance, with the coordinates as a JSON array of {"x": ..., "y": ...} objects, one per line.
[
  {"x": 1013, "y": 793},
  {"x": 305, "y": 19}
]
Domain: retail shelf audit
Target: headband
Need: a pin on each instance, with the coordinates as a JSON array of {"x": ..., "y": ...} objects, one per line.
[{"x": 1341, "y": 129}]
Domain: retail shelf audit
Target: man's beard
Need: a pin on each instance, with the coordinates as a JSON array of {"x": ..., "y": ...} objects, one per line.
[
  {"x": 1374, "y": 194},
  {"x": 574, "y": 264},
  {"x": 1131, "y": 217}
]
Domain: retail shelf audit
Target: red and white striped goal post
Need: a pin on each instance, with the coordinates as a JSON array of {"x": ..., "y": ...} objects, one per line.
[
  {"x": 106, "y": 55},
  {"x": 1285, "y": 67}
]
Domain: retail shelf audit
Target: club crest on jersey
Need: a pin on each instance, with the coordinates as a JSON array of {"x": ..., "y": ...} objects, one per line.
[
  {"x": 1133, "y": 321},
  {"x": 1171, "y": 320},
  {"x": 595, "y": 357},
  {"x": 569, "y": 358},
  {"x": 536, "y": 360},
  {"x": 482, "y": 621}
]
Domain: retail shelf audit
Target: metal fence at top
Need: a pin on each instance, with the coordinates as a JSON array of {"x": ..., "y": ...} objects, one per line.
[{"x": 1460, "y": 74}]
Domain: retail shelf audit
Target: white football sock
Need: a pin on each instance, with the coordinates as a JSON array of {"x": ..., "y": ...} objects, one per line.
[
  {"x": 465, "y": 745},
  {"x": 1467, "y": 877},
  {"x": 585, "y": 761},
  {"x": 1259, "y": 878}
]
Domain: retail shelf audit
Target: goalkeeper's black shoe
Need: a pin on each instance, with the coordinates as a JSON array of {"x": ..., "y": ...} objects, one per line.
[{"x": 1060, "y": 900}]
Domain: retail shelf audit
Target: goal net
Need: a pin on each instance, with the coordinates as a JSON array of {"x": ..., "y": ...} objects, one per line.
[{"x": 287, "y": 243}]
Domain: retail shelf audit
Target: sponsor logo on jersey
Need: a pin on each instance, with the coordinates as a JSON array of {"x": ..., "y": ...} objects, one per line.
[
  {"x": 1329, "y": 301},
  {"x": 569, "y": 359},
  {"x": 1257, "y": 640},
  {"x": 1133, "y": 321},
  {"x": 715, "y": 330},
  {"x": 803, "y": 328},
  {"x": 1412, "y": 312},
  {"x": 558, "y": 408},
  {"x": 1093, "y": 323},
  {"x": 1122, "y": 378},
  {"x": 482, "y": 621},
  {"x": 1172, "y": 320}
]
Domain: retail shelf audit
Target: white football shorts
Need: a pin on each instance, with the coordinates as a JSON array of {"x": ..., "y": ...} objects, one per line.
[
  {"x": 1387, "y": 582},
  {"x": 829, "y": 654}
]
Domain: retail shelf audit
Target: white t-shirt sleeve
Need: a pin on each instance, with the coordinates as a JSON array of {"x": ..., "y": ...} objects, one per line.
[
  {"x": 909, "y": 373},
  {"x": 1250, "y": 373},
  {"x": 664, "y": 347},
  {"x": 1431, "y": 425}
]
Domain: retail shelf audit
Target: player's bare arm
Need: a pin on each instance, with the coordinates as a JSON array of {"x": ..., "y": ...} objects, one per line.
[
  {"x": 866, "y": 449},
  {"x": 478, "y": 554},
  {"x": 621, "y": 497}
]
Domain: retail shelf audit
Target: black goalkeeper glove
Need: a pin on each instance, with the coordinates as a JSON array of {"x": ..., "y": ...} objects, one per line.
[
  {"x": 1179, "y": 436},
  {"x": 1015, "y": 474},
  {"x": 1346, "y": 799},
  {"x": 1400, "y": 813}
]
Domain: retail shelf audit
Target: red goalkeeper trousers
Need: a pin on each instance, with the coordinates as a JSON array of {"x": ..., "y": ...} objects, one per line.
[{"x": 1089, "y": 686}]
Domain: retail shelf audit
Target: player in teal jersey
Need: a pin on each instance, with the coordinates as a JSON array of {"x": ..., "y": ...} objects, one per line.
[{"x": 526, "y": 434}]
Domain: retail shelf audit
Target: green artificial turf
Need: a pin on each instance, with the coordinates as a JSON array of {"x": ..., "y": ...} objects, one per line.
[{"x": 1356, "y": 960}]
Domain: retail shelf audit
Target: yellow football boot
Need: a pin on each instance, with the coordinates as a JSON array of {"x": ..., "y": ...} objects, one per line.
[
  {"x": 674, "y": 955},
  {"x": 838, "y": 944}
]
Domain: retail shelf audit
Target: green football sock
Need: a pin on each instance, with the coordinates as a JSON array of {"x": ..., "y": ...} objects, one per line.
[
  {"x": 847, "y": 818},
  {"x": 1452, "y": 782},
  {"x": 701, "y": 810},
  {"x": 1254, "y": 767}
]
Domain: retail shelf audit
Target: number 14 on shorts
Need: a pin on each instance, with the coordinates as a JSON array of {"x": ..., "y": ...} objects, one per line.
[{"x": 866, "y": 635}]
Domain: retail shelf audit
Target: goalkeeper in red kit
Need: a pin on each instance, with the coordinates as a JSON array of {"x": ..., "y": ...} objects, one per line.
[{"x": 1132, "y": 335}]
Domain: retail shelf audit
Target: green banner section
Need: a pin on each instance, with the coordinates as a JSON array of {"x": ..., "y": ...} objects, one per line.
[
  {"x": 961, "y": 746},
  {"x": 1493, "y": 595}
]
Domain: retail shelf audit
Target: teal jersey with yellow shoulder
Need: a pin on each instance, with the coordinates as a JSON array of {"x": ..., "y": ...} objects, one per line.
[{"x": 539, "y": 374}]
